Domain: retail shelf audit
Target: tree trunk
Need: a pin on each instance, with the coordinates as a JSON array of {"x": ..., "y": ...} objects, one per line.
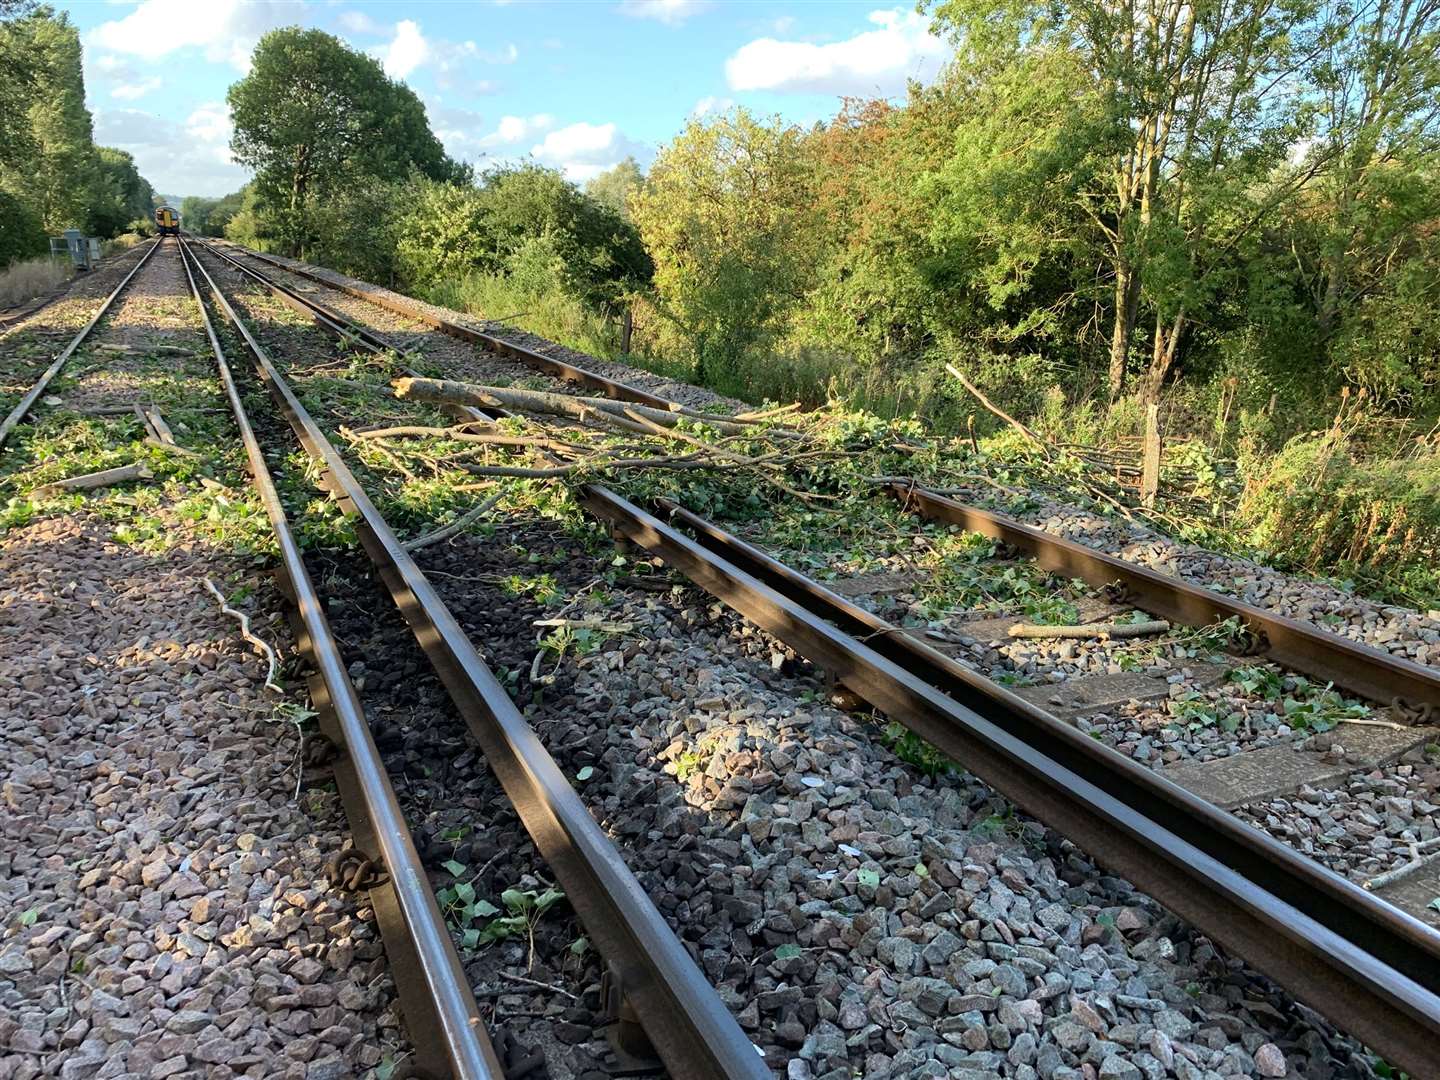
[
  {"x": 1127, "y": 297},
  {"x": 1330, "y": 302},
  {"x": 1162, "y": 359}
]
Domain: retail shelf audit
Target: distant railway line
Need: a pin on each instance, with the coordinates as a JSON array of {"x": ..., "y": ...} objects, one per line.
[{"x": 1371, "y": 967}]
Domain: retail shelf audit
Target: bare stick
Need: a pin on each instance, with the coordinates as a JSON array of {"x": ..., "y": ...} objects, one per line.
[
  {"x": 459, "y": 525},
  {"x": 587, "y": 624},
  {"x": 1417, "y": 862},
  {"x": 765, "y": 414},
  {"x": 538, "y": 984},
  {"x": 89, "y": 481},
  {"x": 265, "y": 649},
  {"x": 1001, "y": 413},
  {"x": 1091, "y": 630}
]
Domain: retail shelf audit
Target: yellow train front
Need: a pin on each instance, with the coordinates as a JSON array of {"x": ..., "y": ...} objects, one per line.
[{"x": 167, "y": 220}]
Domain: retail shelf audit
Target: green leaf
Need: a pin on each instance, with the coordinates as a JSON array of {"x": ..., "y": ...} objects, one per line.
[
  {"x": 585, "y": 773},
  {"x": 868, "y": 877},
  {"x": 470, "y": 938},
  {"x": 1434, "y": 904},
  {"x": 484, "y": 909},
  {"x": 516, "y": 900},
  {"x": 921, "y": 870},
  {"x": 579, "y": 946},
  {"x": 27, "y": 918},
  {"x": 455, "y": 868},
  {"x": 787, "y": 952},
  {"x": 465, "y": 891}
]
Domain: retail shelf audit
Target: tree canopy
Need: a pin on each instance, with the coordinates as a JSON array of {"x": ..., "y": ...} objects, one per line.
[{"x": 314, "y": 115}]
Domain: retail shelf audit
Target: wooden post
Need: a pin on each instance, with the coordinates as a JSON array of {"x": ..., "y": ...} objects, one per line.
[
  {"x": 1150, "y": 456},
  {"x": 627, "y": 327}
]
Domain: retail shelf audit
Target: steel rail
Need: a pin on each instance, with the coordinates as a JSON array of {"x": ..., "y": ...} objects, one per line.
[
  {"x": 1369, "y": 967},
  {"x": 33, "y": 395},
  {"x": 445, "y": 1026},
  {"x": 329, "y": 320},
  {"x": 567, "y": 372},
  {"x": 691, "y": 1029},
  {"x": 1362, "y": 669}
]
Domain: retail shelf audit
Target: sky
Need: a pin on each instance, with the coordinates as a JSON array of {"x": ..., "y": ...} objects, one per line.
[{"x": 575, "y": 85}]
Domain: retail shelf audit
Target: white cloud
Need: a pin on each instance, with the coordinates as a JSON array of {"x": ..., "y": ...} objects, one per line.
[
  {"x": 131, "y": 91},
  {"x": 707, "y": 105},
  {"x": 874, "y": 61},
  {"x": 192, "y": 158},
  {"x": 226, "y": 30},
  {"x": 669, "y": 12},
  {"x": 514, "y": 129},
  {"x": 357, "y": 22},
  {"x": 406, "y": 52},
  {"x": 583, "y": 150}
]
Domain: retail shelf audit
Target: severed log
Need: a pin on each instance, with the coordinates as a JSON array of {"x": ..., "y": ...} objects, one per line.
[
  {"x": 447, "y": 391},
  {"x": 1090, "y": 630},
  {"x": 104, "y": 478}
]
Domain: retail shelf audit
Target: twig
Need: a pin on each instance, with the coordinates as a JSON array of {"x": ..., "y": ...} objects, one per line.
[
  {"x": 104, "y": 478},
  {"x": 1417, "y": 862},
  {"x": 587, "y": 624},
  {"x": 459, "y": 525},
  {"x": 538, "y": 984},
  {"x": 1374, "y": 723},
  {"x": 765, "y": 414},
  {"x": 1103, "y": 631},
  {"x": 265, "y": 649},
  {"x": 1001, "y": 413}
]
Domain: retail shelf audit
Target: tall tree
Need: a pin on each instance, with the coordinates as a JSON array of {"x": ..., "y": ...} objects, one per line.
[
  {"x": 613, "y": 186},
  {"x": 19, "y": 70},
  {"x": 314, "y": 114},
  {"x": 1177, "y": 94},
  {"x": 58, "y": 173},
  {"x": 122, "y": 195},
  {"x": 1378, "y": 92},
  {"x": 726, "y": 214}
]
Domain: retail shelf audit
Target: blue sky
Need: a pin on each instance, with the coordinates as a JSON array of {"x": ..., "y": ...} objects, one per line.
[{"x": 576, "y": 85}]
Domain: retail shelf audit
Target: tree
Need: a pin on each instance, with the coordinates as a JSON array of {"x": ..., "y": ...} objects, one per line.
[
  {"x": 59, "y": 172},
  {"x": 313, "y": 116},
  {"x": 726, "y": 214},
  {"x": 19, "y": 70},
  {"x": 122, "y": 195},
  {"x": 1378, "y": 97},
  {"x": 1184, "y": 107},
  {"x": 613, "y": 187}
]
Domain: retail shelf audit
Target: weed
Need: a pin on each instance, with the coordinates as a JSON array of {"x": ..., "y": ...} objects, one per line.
[{"x": 913, "y": 750}]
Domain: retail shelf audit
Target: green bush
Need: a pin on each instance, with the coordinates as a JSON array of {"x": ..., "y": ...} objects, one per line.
[
  {"x": 1321, "y": 507},
  {"x": 21, "y": 233}
]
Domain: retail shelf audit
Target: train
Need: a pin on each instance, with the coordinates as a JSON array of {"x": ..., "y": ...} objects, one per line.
[{"x": 167, "y": 220}]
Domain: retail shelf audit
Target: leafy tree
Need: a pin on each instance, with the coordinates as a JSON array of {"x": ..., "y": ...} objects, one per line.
[
  {"x": 1180, "y": 110},
  {"x": 726, "y": 215},
  {"x": 122, "y": 195},
  {"x": 613, "y": 187},
  {"x": 314, "y": 116},
  {"x": 58, "y": 175},
  {"x": 19, "y": 70},
  {"x": 21, "y": 233}
]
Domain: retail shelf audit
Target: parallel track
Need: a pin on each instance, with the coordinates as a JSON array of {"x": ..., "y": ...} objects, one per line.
[
  {"x": 1372, "y": 969},
  {"x": 693, "y": 1032}
]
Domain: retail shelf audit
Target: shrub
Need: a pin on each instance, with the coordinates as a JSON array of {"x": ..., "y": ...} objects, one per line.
[
  {"x": 21, "y": 234},
  {"x": 21, "y": 281}
]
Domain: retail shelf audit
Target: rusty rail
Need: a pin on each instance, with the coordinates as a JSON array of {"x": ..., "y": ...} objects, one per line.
[
  {"x": 1372, "y": 969},
  {"x": 446, "y": 1030},
  {"x": 33, "y": 394},
  {"x": 560, "y": 369},
  {"x": 691, "y": 1029},
  {"x": 1364, "y": 670}
]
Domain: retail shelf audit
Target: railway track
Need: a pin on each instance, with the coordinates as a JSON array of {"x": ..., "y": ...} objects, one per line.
[
  {"x": 1355, "y": 958},
  {"x": 1365, "y": 964}
]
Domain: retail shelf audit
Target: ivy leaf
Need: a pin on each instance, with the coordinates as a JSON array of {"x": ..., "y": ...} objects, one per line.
[
  {"x": 921, "y": 870},
  {"x": 579, "y": 945},
  {"x": 465, "y": 891},
  {"x": 470, "y": 938},
  {"x": 787, "y": 952},
  {"x": 585, "y": 773},
  {"x": 483, "y": 909},
  {"x": 455, "y": 868},
  {"x": 869, "y": 877}
]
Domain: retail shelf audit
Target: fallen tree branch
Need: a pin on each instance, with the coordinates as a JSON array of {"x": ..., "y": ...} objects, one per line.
[
  {"x": 1417, "y": 862},
  {"x": 263, "y": 647},
  {"x": 89, "y": 481},
  {"x": 1104, "y": 631},
  {"x": 459, "y": 525},
  {"x": 447, "y": 391},
  {"x": 1001, "y": 413}
]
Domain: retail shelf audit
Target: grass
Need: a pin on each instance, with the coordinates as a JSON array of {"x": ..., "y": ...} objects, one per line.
[{"x": 25, "y": 280}]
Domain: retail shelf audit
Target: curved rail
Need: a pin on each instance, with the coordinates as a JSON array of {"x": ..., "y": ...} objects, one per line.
[
  {"x": 691, "y": 1029},
  {"x": 448, "y": 1009},
  {"x": 1372, "y": 969},
  {"x": 33, "y": 395}
]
